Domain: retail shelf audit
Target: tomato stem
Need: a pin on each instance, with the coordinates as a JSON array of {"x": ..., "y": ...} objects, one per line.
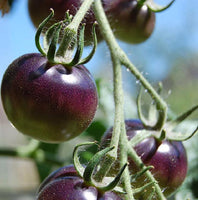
[
  {"x": 71, "y": 30},
  {"x": 118, "y": 91},
  {"x": 119, "y": 58},
  {"x": 138, "y": 162},
  {"x": 160, "y": 103},
  {"x": 123, "y": 159},
  {"x": 118, "y": 99}
]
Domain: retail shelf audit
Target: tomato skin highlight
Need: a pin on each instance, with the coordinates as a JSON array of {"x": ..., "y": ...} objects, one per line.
[
  {"x": 49, "y": 103},
  {"x": 65, "y": 184},
  {"x": 170, "y": 165},
  {"x": 168, "y": 158}
]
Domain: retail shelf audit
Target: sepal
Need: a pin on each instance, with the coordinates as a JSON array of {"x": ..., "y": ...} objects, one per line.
[
  {"x": 62, "y": 53},
  {"x": 156, "y": 7}
]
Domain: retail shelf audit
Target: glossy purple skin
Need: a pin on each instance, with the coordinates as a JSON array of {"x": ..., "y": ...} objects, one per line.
[
  {"x": 40, "y": 9},
  {"x": 131, "y": 22},
  {"x": 49, "y": 103},
  {"x": 65, "y": 184},
  {"x": 68, "y": 170},
  {"x": 168, "y": 158}
]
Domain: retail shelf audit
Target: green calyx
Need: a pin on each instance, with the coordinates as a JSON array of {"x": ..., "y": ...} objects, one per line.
[
  {"x": 171, "y": 126},
  {"x": 90, "y": 170},
  {"x": 60, "y": 49},
  {"x": 154, "y": 7},
  {"x": 135, "y": 176}
]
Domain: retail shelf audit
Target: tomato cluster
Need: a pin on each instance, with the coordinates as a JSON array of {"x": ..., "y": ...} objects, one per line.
[
  {"x": 167, "y": 157},
  {"x": 39, "y": 10},
  {"x": 123, "y": 15},
  {"x": 54, "y": 102}
]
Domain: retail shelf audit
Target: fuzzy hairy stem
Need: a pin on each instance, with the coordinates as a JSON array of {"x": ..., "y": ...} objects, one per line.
[
  {"x": 118, "y": 90},
  {"x": 119, "y": 58}
]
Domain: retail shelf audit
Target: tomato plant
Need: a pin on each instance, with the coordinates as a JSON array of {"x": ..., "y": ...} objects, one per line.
[
  {"x": 52, "y": 97},
  {"x": 64, "y": 183},
  {"x": 167, "y": 157},
  {"x": 123, "y": 15},
  {"x": 48, "y": 102}
]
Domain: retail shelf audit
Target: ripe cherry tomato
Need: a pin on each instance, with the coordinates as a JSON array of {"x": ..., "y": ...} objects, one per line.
[
  {"x": 48, "y": 102},
  {"x": 131, "y": 22},
  {"x": 65, "y": 184},
  {"x": 167, "y": 157}
]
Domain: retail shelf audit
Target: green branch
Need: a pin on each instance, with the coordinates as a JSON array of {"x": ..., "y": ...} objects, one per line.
[
  {"x": 137, "y": 160},
  {"x": 118, "y": 91},
  {"x": 119, "y": 58}
]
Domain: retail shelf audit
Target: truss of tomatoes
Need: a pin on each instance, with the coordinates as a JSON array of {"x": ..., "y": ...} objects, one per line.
[
  {"x": 168, "y": 158},
  {"x": 53, "y": 103},
  {"x": 131, "y": 22}
]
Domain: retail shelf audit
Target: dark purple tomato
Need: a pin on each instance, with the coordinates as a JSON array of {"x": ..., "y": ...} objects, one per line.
[
  {"x": 40, "y": 9},
  {"x": 49, "y": 103},
  {"x": 131, "y": 22},
  {"x": 167, "y": 157},
  {"x": 65, "y": 184}
]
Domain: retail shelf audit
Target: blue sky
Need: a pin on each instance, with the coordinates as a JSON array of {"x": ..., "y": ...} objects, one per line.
[{"x": 175, "y": 35}]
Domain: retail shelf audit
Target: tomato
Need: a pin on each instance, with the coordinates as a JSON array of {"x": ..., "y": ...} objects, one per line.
[
  {"x": 168, "y": 158},
  {"x": 131, "y": 22},
  {"x": 40, "y": 9},
  {"x": 48, "y": 102},
  {"x": 65, "y": 184}
]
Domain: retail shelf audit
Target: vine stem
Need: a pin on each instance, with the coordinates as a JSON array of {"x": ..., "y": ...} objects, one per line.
[
  {"x": 118, "y": 101},
  {"x": 118, "y": 54},
  {"x": 72, "y": 29},
  {"x": 118, "y": 91},
  {"x": 79, "y": 16},
  {"x": 119, "y": 58},
  {"x": 137, "y": 160},
  {"x": 117, "y": 73},
  {"x": 124, "y": 159},
  {"x": 160, "y": 103},
  {"x": 129, "y": 151}
]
